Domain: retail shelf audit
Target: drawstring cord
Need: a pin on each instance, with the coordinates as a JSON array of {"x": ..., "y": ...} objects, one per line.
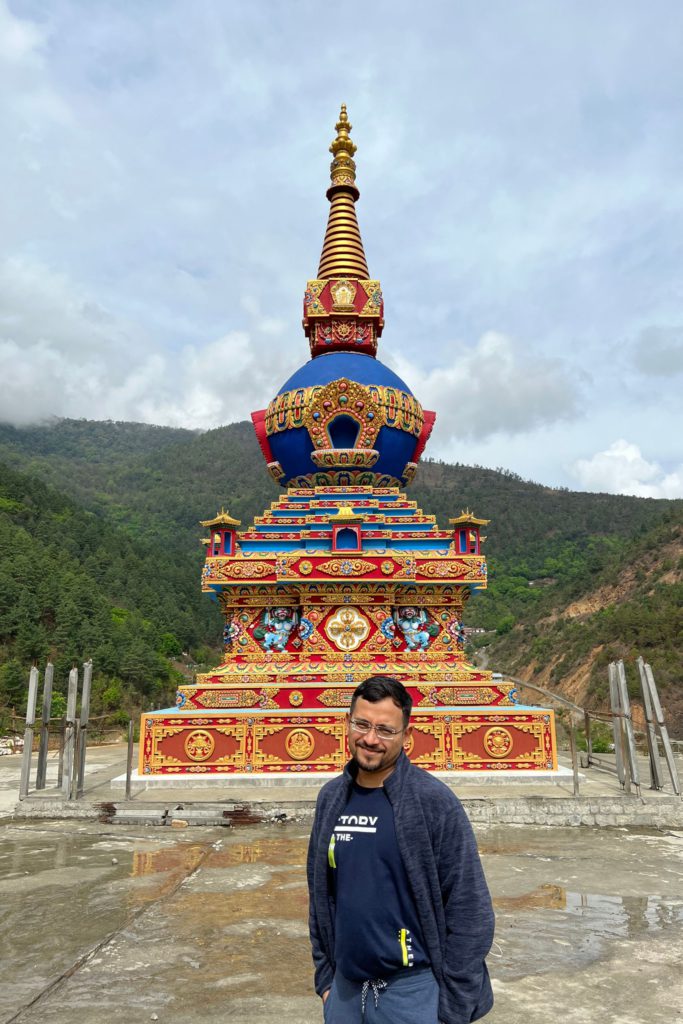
[{"x": 377, "y": 985}]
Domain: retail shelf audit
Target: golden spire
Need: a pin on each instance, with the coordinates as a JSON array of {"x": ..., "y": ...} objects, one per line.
[{"x": 343, "y": 254}]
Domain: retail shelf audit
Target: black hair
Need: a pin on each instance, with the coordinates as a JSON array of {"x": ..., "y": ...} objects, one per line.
[{"x": 377, "y": 688}]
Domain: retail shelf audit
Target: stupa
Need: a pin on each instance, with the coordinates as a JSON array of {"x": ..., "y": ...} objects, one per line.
[{"x": 343, "y": 577}]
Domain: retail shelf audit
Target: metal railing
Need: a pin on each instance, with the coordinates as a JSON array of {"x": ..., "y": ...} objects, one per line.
[{"x": 620, "y": 720}]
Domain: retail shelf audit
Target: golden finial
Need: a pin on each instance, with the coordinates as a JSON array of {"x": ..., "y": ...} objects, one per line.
[
  {"x": 343, "y": 255},
  {"x": 343, "y": 168}
]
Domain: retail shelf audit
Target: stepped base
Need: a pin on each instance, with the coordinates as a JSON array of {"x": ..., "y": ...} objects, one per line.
[{"x": 459, "y": 739}]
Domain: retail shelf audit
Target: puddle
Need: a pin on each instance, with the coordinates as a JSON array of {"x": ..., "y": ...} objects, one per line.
[
  {"x": 622, "y": 915},
  {"x": 553, "y": 897},
  {"x": 281, "y": 851},
  {"x": 174, "y": 859}
]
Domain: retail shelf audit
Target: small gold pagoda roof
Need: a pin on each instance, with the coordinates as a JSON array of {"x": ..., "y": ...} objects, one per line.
[
  {"x": 221, "y": 519},
  {"x": 466, "y": 518},
  {"x": 345, "y": 514}
]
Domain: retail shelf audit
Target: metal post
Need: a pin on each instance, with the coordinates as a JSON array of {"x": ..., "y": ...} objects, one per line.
[
  {"x": 129, "y": 759},
  {"x": 60, "y": 755},
  {"x": 628, "y": 726},
  {"x": 589, "y": 738},
  {"x": 73, "y": 789},
  {"x": 69, "y": 732},
  {"x": 617, "y": 725},
  {"x": 83, "y": 733},
  {"x": 573, "y": 749},
  {"x": 41, "y": 771},
  {"x": 656, "y": 774},
  {"x": 28, "y": 733},
  {"x": 663, "y": 731}
]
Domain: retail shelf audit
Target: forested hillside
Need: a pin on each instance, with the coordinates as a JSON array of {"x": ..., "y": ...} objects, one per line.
[
  {"x": 73, "y": 585},
  {"x": 119, "y": 520},
  {"x": 156, "y": 482}
]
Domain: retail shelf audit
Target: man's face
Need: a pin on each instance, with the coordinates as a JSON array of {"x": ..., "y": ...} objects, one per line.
[{"x": 373, "y": 753}]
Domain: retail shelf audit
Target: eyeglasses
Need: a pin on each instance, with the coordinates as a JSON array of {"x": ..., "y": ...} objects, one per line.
[{"x": 384, "y": 732}]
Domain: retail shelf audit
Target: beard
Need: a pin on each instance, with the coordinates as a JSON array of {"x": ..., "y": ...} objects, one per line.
[{"x": 374, "y": 759}]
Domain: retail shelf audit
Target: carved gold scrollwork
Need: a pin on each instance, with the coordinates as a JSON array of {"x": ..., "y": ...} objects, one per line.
[{"x": 346, "y": 567}]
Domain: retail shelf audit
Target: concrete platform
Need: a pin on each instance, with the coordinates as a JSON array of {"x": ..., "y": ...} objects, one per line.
[
  {"x": 107, "y": 925},
  {"x": 187, "y": 780},
  {"x": 537, "y": 798}
]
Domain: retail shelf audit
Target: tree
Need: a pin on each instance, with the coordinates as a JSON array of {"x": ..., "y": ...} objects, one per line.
[{"x": 13, "y": 685}]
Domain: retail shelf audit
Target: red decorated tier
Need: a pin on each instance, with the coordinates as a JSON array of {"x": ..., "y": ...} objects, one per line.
[{"x": 343, "y": 577}]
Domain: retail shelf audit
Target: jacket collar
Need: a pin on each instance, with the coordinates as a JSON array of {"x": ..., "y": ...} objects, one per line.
[{"x": 392, "y": 784}]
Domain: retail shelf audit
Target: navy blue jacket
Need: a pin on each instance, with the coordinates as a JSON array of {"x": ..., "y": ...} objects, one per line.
[{"x": 441, "y": 858}]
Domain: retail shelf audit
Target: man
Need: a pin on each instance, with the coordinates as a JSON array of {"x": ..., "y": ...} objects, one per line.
[{"x": 400, "y": 913}]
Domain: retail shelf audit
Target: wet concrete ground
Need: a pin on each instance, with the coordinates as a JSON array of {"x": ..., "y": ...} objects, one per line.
[{"x": 108, "y": 924}]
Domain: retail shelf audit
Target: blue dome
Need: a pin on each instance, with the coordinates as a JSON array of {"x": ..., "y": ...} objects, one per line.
[
  {"x": 310, "y": 434},
  {"x": 352, "y": 365}
]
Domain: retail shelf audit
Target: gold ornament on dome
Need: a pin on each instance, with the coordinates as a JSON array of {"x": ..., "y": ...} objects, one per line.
[
  {"x": 354, "y": 458},
  {"x": 497, "y": 742},
  {"x": 347, "y": 629},
  {"x": 389, "y": 406},
  {"x": 367, "y": 477},
  {"x": 299, "y": 744},
  {"x": 199, "y": 745}
]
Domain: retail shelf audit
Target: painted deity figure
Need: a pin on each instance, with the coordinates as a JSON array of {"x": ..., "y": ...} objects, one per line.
[
  {"x": 416, "y": 629},
  {"x": 230, "y": 631},
  {"x": 276, "y": 627},
  {"x": 457, "y": 630}
]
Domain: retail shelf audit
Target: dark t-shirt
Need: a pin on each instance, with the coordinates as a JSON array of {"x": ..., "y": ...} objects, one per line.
[{"x": 376, "y": 927}]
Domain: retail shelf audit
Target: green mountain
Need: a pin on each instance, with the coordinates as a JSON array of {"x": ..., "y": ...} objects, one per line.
[
  {"x": 75, "y": 585},
  {"x": 575, "y": 578},
  {"x": 155, "y": 482}
]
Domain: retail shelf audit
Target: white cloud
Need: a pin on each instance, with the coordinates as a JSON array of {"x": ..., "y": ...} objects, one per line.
[
  {"x": 63, "y": 354},
  {"x": 19, "y": 40},
  {"x": 492, "y": 389},
  {"x": 621, "y": 469}
]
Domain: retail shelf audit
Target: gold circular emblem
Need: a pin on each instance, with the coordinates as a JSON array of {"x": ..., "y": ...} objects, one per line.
[
  {"x": 497, "y": 742},
  {"x": 296, "y": 698},
  {"x": 199, "y": 745},
  {"x": 387, "y": 567},
  {"x": 305, "y": 567},
  {"x": 299, "y": 744}
]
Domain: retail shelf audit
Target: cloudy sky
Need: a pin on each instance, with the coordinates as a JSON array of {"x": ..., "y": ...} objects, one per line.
[{"x": 521, "y": 171}]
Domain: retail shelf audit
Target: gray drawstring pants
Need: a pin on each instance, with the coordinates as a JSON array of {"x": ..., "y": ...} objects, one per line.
[{"x": 409, "y": 997}]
